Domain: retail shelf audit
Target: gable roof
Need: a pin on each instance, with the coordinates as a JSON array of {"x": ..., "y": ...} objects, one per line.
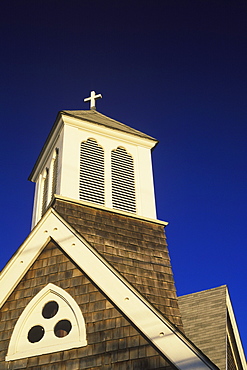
[
  {"x": 164, "y": 336},
  {"x": 100, "y": 119},
  {"x": 111, "y": 339},
  {"x": 210, "y": 311}
]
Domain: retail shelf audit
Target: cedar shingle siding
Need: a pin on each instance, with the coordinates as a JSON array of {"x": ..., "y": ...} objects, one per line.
[{"x": 137, "y": 249}]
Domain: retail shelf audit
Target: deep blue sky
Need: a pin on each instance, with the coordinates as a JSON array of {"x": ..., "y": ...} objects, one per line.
[{"x": 176, "y": 70}]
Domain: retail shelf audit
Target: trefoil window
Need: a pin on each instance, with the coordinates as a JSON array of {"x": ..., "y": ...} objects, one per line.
[{"x": 51, "y": 322}]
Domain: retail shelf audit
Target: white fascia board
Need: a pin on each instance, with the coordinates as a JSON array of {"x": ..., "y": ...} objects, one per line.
[
  {"x": 109, "y": 132},
  {"x": 163, "y": 335},
  {"x": 47, "y": 150},
  {"x": 22, "y": 260},
  {"x": 235, "y": 330}
]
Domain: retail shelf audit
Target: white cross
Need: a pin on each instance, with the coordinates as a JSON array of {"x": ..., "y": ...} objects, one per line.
[{"x": 92, "y": 99}]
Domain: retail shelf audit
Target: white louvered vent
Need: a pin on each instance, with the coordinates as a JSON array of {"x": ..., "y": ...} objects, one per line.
[
  {"x": 123, "y": 181},
  {"x": 45, "y": 192},
  {"x": 92, "y": 188},
  {"x": 54, "y": 175}
]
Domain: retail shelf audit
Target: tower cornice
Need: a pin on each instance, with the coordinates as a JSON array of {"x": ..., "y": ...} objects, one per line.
[{"x": 85, "y": 119}]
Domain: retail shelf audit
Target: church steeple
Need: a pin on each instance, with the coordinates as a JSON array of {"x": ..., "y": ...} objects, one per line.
[
  {"x": 90, "y": 157},
  {"x": 96, "y": 266}
]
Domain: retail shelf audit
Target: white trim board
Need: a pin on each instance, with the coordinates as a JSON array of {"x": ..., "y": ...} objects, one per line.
[{"x": 172, "y": 344}]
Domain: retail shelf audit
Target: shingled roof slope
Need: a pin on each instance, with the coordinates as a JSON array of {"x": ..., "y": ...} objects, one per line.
[
  {"x": 204, "y": 317},
  {"x": 100, "y": 119},
  {"x": 209, "y": 322}
]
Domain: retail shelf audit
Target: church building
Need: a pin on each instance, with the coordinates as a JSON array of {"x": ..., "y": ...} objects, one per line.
[{"x": 92, "y": 285}]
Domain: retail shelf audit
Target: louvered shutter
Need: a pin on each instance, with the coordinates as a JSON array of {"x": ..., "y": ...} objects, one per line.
[
  {"x": 54, "y": 175},
  {"x": 123, "y": 181},
  {"x": 92, "y": 187},
  {"x": 45, "y": 192}
]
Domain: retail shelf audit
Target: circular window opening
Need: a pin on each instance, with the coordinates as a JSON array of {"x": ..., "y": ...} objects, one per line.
[
  {"x": 62, "y": 328},
  {"x": 50, "y": 309},
  {"x": 35, "y": 334}
]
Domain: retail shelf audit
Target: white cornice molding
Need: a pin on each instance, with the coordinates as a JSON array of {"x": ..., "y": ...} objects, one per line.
[
  {"x": 112, "y": 133},
  {"x": 90, "y": 126},
  {"x": 164, "y": 336}
]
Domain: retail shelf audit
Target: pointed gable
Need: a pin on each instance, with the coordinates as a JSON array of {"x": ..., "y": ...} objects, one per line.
[{"x": 111, "y": 340}]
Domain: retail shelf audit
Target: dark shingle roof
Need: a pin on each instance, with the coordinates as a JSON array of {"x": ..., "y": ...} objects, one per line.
[
  {"x": 100, "y": 119},
  {"x": 204, "y": 316}
]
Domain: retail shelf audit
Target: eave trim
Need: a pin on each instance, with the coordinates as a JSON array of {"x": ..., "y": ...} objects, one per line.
[{"x": 235, "y": 330}]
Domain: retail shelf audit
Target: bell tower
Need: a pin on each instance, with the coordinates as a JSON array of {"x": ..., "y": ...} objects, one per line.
[
  {"x": 93, "y": 280},
  {"x": 90, "y": 157}
]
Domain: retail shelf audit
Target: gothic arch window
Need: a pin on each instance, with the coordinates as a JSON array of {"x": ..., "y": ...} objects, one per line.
[
  {"x": 92, "y": 180},
  {"x": 123, "y": 180},
  {"x": 51, "y": 322}
]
